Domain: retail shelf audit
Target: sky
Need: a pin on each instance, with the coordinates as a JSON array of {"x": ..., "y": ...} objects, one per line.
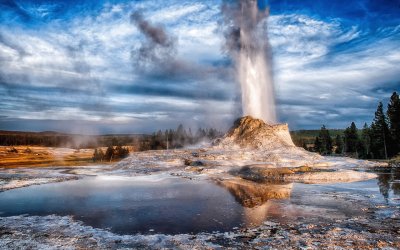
[{"x": 88, "y": 66}]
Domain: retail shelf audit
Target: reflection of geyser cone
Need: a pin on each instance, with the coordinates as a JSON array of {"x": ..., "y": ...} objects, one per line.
[
  {"x": 248, "y": 132},
  {"x": 256, "y": 197},
  {"x": 252, "y": 194}
]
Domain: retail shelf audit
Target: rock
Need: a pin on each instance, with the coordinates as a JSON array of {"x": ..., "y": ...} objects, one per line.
[
  {"x": 188, "y": 162},
  {"x": 248, "y": 132},
  {"x": 255, "y": 173}
]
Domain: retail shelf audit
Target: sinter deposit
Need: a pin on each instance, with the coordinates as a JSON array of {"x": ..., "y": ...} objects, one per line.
[
  {"x": 251, "y": 133},
  {"x": 251, "y": 150}
]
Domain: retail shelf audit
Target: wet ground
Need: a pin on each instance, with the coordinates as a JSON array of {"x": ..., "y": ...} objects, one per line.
[{"x": 162, "y": 204}]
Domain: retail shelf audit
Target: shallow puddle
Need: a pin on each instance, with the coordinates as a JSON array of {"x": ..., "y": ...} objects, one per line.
[{"x": 171, "y": 205}]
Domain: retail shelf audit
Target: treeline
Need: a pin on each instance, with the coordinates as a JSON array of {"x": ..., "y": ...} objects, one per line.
[
  {"x": 39, "y": 139},
  {"x": 54, "y": 139},
  {"x": 379, "y": 140},
  {"x": 171, "y": 139},
  {"x": 174, "y": 139}
]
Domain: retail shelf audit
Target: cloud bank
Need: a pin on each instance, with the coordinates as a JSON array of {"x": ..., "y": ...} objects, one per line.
[{"x": 138, "y": 66}]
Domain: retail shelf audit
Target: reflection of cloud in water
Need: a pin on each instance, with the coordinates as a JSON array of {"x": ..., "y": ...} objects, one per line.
[{"x": 255, "y": 197}]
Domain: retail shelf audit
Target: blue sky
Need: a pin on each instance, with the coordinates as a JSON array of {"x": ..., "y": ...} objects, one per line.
[{"x": 72, "y": 65}]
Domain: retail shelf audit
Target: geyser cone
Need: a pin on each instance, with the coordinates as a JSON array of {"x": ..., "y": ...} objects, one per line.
[
  {"x": 248, "y": 132},
  {"x": 247, "y": 42}
]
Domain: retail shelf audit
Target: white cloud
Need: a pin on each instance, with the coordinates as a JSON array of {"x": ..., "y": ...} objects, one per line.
[{"x": 316, "y": 67}]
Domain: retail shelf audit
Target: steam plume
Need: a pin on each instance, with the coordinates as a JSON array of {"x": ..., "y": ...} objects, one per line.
[
  {"x": 158, "y": 48},
  {"x": 157, "y": 56},
  {"x": 247, "y": 44}
]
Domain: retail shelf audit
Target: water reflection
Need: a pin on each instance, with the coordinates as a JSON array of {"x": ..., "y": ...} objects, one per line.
[
  {"x": 174, "y": 205},
  {"x": 389, "y": 183},
  {"x": 129, "y": 205},
  {"x": 256, "y": 198},
  {"x": 252, "y": 194}
]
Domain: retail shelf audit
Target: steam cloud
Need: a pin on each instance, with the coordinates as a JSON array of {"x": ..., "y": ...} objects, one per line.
[
  {"x": 247, "y": 43},
  {"x": 158, "y": 47},
  {"x": 157, "y": 57}
]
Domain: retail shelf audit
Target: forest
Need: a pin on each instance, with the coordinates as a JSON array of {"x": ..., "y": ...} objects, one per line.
[{"x": 378, "y": 140}]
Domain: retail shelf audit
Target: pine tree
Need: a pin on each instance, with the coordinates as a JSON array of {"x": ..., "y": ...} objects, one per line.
[
  {"x": 200, "y": 134},
  {"x": 393, "y": 114},
  {"x": 325, "y": 140},
  {"x": 304, "y": 145},
  {"x": 180, "y": 136},
  {"x": 317, "y": 145},
  {"x": 380, "y": 134},
  {"x": 339, "y": 144},
  {"x": 121, "y": 152},
  {"x": 351, "y": 139},
  {"x": 366, "y": 141},
  {"x": 109, "y": 153}
]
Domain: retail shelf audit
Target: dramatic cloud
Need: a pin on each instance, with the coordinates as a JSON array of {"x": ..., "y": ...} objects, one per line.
[{"x": 123, "y": 66}]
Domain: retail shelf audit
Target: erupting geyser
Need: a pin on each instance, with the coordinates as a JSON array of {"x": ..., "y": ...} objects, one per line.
[{"x": 247, "y": 43}]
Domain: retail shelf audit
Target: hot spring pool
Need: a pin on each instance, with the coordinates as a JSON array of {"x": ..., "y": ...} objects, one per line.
[{"x": 172, "y": 205}]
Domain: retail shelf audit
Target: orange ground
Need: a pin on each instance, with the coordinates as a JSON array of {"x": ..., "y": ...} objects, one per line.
[{"x": 34, "y": 156}]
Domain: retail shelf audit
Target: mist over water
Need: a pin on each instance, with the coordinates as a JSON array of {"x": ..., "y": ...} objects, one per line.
[{"x": 247, "y": 43}]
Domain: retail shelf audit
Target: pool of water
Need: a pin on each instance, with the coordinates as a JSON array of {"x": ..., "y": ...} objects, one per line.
[
  {"x": 131, "y": 204},
  {"x": 171, "y": 205}
]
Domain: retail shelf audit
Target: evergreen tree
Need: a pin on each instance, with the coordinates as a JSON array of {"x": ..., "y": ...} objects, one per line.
[
  {"x": 325, "y": 141},
  {"x": 109, "y": 153},
  {"x": 201, "y": 134},
  {"x": 317, "y": 145},
  {"x": 351, "y": 139},
  {"x": 304, "y": 145},
  {"x": 380, "y": 134},
  {"x": 180, "y": 136},
  {"x": 393, "y": 114},
  {"x": 121, "y": 152},
  {"x": 365, "y": 142},
  {"x": 339, "y": 144}
]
